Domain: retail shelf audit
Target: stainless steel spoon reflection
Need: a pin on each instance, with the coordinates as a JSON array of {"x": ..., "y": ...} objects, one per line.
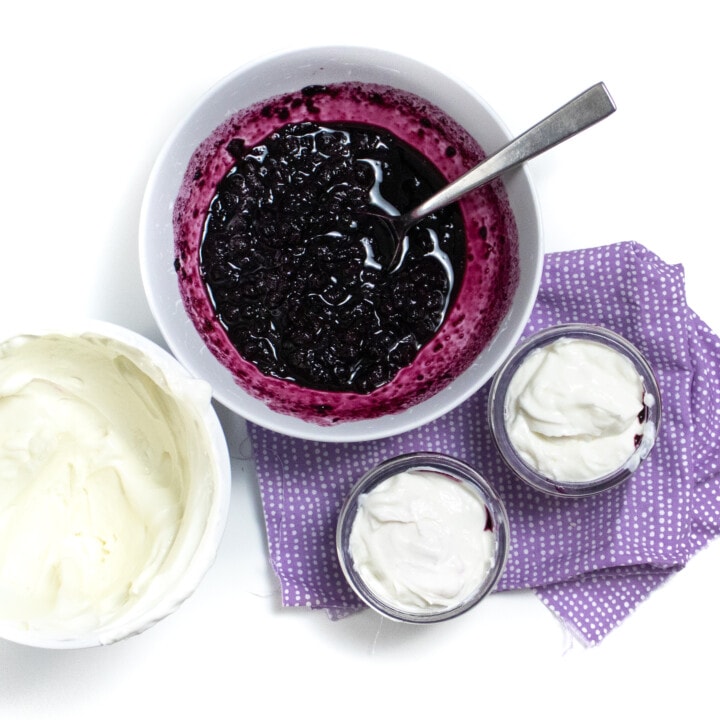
[{"x": 588, "y": 108}]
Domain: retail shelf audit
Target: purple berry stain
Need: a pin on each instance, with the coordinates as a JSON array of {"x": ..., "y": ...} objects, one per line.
[{"x": 286, "y": 279}]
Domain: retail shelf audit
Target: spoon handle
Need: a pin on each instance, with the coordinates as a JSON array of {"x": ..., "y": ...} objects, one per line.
[{"x": 580, "y": 113}]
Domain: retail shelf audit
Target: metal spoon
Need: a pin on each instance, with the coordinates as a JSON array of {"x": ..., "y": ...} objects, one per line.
[{"x": 585, "y": 110}]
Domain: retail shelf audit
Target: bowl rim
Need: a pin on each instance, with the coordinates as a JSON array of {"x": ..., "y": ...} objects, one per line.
[
  {"x": 496, "y": 409},
  {"x": 255, "y": 410}
]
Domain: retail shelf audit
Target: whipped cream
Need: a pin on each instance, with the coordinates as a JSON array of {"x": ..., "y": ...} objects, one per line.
[
  {"x": 100, "y": 461},
  {"x": 573, "y": 408},
  {"x": 420, "y": 541}
]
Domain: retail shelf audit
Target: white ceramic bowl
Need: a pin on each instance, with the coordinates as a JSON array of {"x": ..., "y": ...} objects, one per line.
[
  {"x": 128, "y": 485},
  {"x": 291, "y": 72}
]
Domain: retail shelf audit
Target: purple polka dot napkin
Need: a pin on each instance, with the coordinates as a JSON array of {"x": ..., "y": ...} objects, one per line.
[{"x": 591, "y": 560}]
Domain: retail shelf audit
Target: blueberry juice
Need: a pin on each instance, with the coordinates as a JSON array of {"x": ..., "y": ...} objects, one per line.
[{"x": 287, "y": 278}]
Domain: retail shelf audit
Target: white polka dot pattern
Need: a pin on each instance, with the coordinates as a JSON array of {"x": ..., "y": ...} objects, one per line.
[{"x": 591, "y": 560}]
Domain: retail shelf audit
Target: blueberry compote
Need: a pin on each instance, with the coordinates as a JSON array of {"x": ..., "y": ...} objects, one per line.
[
  {"x": 287, "y": 281},
  {"x": 299, "y": 274}
]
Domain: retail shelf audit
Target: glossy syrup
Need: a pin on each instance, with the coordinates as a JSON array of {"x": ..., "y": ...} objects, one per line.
[{"x": 298, "y": 272}]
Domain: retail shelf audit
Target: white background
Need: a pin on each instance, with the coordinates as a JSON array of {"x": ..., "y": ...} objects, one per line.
[{"x": 90, "y": 91}]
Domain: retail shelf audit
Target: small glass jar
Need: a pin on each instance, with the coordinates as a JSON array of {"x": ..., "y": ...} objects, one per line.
[
  {"x": 649, "y": 414},
  {"x": 432, "y": 464}
]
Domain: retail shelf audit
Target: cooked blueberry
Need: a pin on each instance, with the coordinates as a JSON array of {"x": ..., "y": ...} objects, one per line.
[{"x": 296, "y": 273}]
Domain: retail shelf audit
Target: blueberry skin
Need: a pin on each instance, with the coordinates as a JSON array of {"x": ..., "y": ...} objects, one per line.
[{"x": 297, "y": 274}]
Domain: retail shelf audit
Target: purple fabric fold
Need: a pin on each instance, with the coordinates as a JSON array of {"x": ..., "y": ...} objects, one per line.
[{"x": 591, "y": 560}]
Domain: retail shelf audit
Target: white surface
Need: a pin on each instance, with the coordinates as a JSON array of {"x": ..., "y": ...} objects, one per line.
[{"x": 90, "y": 93}]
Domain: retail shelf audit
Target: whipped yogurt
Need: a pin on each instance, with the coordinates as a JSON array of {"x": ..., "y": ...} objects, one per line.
[
  {"x": 422, "y": 541},
  {"x": 574, "y": 409},
  {"x": 100, "y": 462}
]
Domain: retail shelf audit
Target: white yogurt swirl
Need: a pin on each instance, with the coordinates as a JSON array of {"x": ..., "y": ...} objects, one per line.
[
  {"x": 572, "y": 410},
  {"x": 99, "y": 462},
  {"x": 420, "y": 541}
]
